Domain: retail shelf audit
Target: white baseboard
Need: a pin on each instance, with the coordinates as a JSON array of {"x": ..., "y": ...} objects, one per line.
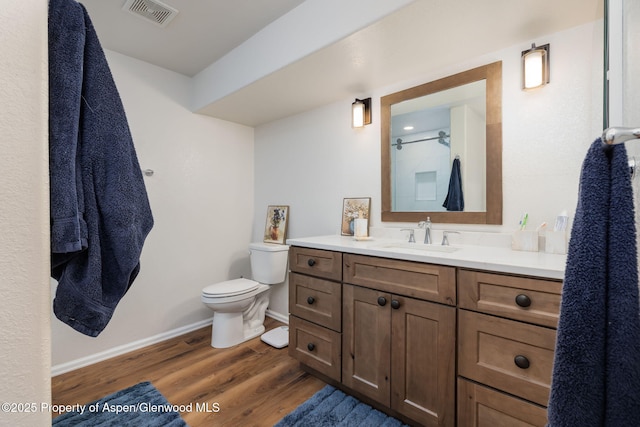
[
  {"x": 135, "y": 345},
  {"x": 122, "y": 349},
  {"x": 278, "y": 316}
]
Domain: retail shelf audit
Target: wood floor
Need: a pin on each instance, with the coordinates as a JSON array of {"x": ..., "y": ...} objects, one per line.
[{"x": 253, "y": 384}]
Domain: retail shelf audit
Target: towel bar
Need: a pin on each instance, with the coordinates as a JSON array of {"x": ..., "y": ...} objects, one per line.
[{"x": 613, "y": 136}]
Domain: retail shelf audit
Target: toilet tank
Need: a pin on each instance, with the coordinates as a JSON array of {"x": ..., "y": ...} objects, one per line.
[{"x": 268, "y": 262}]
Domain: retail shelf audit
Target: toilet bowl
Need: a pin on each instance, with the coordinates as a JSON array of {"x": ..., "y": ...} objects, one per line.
[
  {"x": 239, "y": 305},
  {"x": 236, "y": 306}
]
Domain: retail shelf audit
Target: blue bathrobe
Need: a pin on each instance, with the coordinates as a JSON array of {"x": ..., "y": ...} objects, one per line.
[{"x": 100, "y": 213}]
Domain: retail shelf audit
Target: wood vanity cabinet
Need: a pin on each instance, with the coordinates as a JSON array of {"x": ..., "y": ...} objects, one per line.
[
  {"x": 399, "y": 350},
  {"x": 436, "y": 345},
  {"x": 506, "y": 340},
  {"x": 315, "y": 323}
]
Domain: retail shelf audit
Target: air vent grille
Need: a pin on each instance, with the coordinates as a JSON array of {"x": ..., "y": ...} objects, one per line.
[{"x": 151, "y": 10}]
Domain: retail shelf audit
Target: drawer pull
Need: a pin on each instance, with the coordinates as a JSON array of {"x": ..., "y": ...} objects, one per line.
[
  {"x": 395, "y": 304},
  {"x": 382, "y": 301},
  {"x": 311, "y": 346},
  {"x": 523, "y": 300},
  {"x": 521, "y": 362},
  {"x": 311, "y": 262},
  {"x": 310, "y": 300}
]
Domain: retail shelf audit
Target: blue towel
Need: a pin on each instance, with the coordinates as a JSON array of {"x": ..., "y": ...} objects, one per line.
[
  {"x": 100, "y": 213},
  {"x": 455, "y": 200},
  {"x": 596, "y": 372},
  {"x": 68, "y": 227}
]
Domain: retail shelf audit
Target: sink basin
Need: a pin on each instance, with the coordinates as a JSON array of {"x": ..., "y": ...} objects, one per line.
[{"x": 418, "y": 247}]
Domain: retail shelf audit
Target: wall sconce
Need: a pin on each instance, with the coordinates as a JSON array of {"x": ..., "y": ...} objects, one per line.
[
  {"x": 361, "y": 112},
  {"x": 535, "y": 67}
]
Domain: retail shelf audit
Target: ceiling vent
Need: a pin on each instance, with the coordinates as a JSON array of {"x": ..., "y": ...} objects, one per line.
[{"x": 151, "y": 10}]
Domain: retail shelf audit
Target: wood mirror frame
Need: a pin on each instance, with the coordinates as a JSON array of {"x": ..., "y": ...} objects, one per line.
[{"x": 492, "y": 73}]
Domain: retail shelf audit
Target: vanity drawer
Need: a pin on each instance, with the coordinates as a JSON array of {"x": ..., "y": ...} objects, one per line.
[
  {"x": 315, "y": 346},
  {"x": 521, "y": 298},
  {"x": 511, "y": 356},
  {"x": 316, "y": 300},
  {"x": 316, "y": 262},
  {"x": 413, "y": 279},
  {"x": 480, "y": 406}
]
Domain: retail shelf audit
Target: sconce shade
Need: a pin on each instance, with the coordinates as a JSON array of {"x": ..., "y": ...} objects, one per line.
[
  {"x": 535, "y": 67},
  {"x": 361, "y": 112}
]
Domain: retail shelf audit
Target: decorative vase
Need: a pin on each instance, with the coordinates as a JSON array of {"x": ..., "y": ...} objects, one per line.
[
  {"x": 274, "y": 232},
  {"x": 352, "y": 227}
]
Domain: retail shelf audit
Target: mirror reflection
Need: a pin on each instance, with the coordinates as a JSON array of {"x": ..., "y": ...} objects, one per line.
[
  {"x": 442, "y": 150},
  {"x": 428, "y": 135}
]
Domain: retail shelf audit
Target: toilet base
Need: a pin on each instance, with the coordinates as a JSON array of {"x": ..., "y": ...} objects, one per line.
[{"x": 229, "y": 329}]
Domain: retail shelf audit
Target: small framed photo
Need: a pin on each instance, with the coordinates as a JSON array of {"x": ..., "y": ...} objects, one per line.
[
  {"x": 275, "y": 230},
  {"x": 353, "y": 208}
]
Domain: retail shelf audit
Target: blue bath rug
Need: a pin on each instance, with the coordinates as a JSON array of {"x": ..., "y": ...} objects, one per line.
[
  {"x": 330, "y": 407},
  {"x": 141, "y": 405}
]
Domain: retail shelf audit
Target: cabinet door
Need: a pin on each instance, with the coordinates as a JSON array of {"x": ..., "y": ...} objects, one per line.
[
  {"x": 413, "y": 279},
  {"x": 423, "y": 361},
  {"x": 365, "y": 342},
  {"x": 511, "y": 356},
  {"x": 316, "y": 300},
  {"x": 316, "y": 262},
  {"x": 519, "y": 298},
  {"x": 315, "y": 346},
  {"x": 480, "y": 406}
]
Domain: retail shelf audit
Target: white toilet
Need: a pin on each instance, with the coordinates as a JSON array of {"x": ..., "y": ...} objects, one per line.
[{"x": 239, "y": 305}]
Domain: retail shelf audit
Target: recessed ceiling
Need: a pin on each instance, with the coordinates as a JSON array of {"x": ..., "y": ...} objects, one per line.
[{"x": 422, "y": 36}]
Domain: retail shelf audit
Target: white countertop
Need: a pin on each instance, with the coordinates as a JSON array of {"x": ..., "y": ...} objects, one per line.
[{"x": 490, "y": 258}]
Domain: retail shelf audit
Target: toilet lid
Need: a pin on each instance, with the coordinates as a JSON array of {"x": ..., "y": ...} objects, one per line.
[{"x": 230, "y": 288}]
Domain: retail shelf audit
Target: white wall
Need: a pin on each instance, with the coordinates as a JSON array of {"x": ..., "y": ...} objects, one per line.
[
  {"x": 473, "y": 157},
  {"x": 313, "y": 160},
  {"x": 24, "y": 212},
  {"x": 202, "y": 199}
]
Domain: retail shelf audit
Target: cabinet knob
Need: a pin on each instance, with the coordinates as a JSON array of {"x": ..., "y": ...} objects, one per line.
[
  {"x": 382, "y": 301},
  {"x": 311, "y": 300},
  {"x": 523, "y": 300},
  {"x": 521, "y": 362},
  {"x": 395, "y": 304},
  {"x": 311, "y": 346},
  {"x": 311, "y": 262}
]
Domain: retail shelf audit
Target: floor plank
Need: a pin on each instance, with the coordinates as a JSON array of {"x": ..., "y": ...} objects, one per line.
[{"x": 251, "y": 384}]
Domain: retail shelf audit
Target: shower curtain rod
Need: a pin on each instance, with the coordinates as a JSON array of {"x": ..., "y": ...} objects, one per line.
[
  {"x": 613, "y": 136},
  {"x": 401, "y": 142}
]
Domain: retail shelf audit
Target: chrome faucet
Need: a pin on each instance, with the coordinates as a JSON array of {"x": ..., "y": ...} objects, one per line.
[
  {"x": 427, "y": 230},
  {"x": 445, "y": 237},
  {"x": 412, "y": 238}
]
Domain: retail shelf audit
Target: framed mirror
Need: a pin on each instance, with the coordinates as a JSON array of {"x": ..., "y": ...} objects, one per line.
[{"x": 441, "y": 145}]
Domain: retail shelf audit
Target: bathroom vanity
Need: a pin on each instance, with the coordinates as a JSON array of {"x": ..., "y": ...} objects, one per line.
[{"x": 434, "y": 336}]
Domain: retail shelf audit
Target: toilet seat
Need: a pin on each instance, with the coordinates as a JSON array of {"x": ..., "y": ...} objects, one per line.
[{"x": 230, "y": 288}]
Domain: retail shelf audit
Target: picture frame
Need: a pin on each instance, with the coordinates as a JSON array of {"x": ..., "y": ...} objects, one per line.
[
  {"x": 352, "y": 208},
  {"x": 275, "y": 229}
]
